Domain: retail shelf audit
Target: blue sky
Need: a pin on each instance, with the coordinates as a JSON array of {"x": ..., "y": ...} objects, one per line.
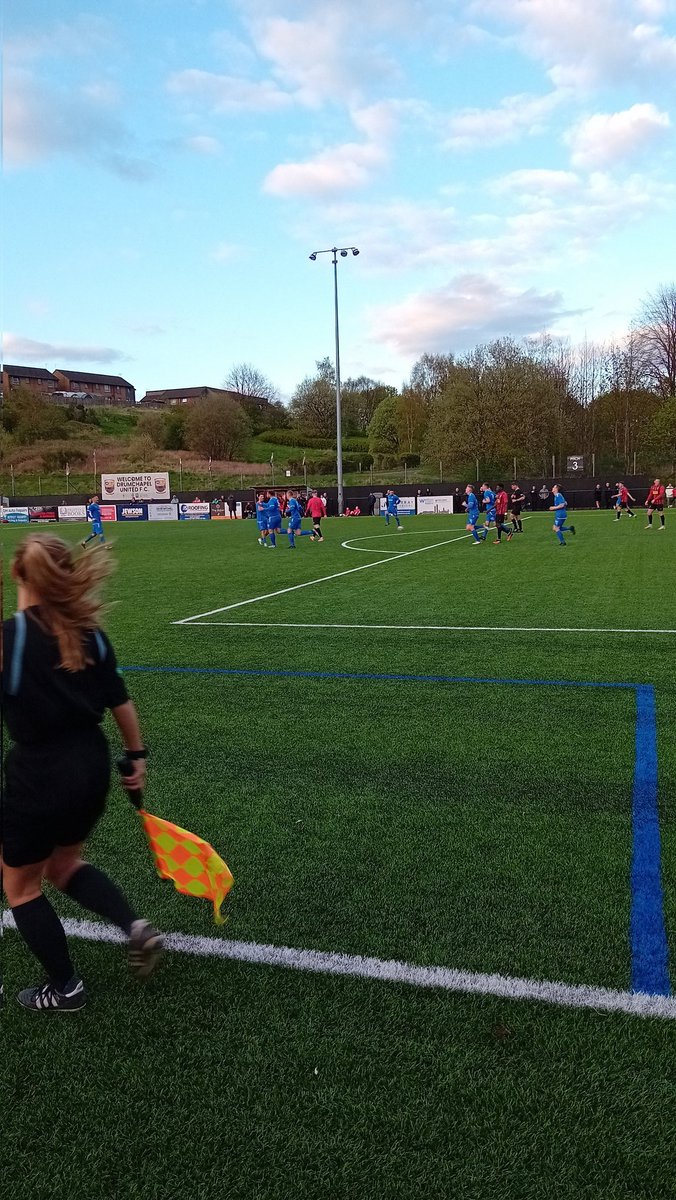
[{"x": 504, "y": 166}]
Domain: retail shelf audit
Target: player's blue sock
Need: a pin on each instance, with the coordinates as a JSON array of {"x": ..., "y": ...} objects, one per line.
[
  {"x": 475, "y": 535},
  {"x": 292, "y": 539},
  {"x": 305, "y": 533},
  {"x": 273, "y": 539},
  {"x": 559, "y": 535},
  {"x": 398, "y": 521}
]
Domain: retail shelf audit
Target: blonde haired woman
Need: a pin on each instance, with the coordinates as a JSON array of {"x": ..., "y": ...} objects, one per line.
[{"x": 59, "y": 676}]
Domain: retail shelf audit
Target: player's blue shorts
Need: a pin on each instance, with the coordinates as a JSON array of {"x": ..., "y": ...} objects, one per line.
[
  {"x": 97, "y": 528},
  {"x": 491, "y": 514},
  {"x": 294, "y": 524},
  {"x": 262, "y": 526},
  {"x": 472, "y": 516},
  {"x": 560, "y": 520}
]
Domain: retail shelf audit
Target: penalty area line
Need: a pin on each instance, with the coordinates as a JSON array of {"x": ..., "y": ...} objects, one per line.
[
  {"x": 448, "y": 979},
  {"x": 323, "y": 579}
]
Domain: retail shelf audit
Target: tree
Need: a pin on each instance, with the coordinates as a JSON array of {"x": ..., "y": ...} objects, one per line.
[
  {"x": 360, "y": 399},
  {"x": 430, "y": 375},
  {"x": 656, "y": 331},
  {"x": 142, "y": 450},
  {"x": 410, "y": 417},
  {"x": 31, "y": 418},
  {"x": 383, "y": 432},
  {"x": 660, "y": 436},
  {"x": 247, "y": 380},
  {"x": 217, "y": 427},
  {"x": 313, "y": 404}
]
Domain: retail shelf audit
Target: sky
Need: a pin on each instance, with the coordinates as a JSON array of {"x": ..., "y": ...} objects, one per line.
[{"x": 504, "y": 167}]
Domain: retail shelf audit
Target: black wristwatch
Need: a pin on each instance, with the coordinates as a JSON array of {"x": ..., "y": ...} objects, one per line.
[{"x": 135, "y": 755}]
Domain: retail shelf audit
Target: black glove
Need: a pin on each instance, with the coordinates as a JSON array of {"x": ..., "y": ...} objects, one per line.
[{"x": 126, "y": 767}]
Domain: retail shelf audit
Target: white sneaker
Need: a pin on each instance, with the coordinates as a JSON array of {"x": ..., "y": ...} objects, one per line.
[{"x": 144, "y": 950}]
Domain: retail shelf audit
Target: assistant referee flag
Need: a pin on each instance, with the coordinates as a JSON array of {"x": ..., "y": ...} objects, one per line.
[{"x": 191, "y": 863}]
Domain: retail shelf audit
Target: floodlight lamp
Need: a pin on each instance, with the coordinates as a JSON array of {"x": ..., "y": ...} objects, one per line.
[
  {"x": 313, "y": 257},
  {"x": 343, "y": 254},
  {"x": 355, "y": 251}
]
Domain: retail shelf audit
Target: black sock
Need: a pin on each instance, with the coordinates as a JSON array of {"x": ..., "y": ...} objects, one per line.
[
  {"x": 45, "y": 937},
  {"x": 661, "y": 519},
  {"x": 95, "y": 891},
  {"x": 650, "y": 519}
]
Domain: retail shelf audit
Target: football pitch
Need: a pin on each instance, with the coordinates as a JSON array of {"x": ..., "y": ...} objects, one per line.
[{"x": 443, "y": 778}]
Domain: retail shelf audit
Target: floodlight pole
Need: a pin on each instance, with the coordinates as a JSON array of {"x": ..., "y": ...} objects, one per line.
[{"x": 335, "y": 251}]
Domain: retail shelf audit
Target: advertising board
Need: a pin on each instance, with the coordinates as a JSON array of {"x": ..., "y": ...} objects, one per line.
[
  {"x": 72, "y": 512},
  {"x": 132, "y": 512},
  {"x": 45, "y": 513},
  {"x": 15, "y": 516},
  {"x": 198, "y": 510},
  {"x": 163, "y": 512},
  {"x": 435, "y": 504},
  {"x": 406, "y": 506},
  {"x": 147, "y": 485}
]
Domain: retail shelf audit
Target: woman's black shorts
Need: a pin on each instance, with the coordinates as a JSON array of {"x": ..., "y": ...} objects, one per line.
[{"x": 55, "y": 793}]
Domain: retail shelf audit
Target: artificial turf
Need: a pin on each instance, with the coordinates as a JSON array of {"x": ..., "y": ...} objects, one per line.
[{"x": 429, "y": 817}]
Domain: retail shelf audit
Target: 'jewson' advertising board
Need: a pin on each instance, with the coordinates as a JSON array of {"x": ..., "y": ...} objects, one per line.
[
  {"x": 199, "y": 510},
  {"x": 15, "y": 516},
  {"x": 72, "y": 512},
  {"x": 151, "y": 485},
  {"x": 406, "y": 507},
  {"x": 435, "y": 504},
  {"x": 163, "y": 512},
  {"x": 132, "y": 512}
]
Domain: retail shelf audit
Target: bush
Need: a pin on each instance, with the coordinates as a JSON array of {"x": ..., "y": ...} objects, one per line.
[
  {"x": 410, "y": 460},
  {"x": 293, "y": 437},
  {"x": 355, "y": 445},
  {"x": 386, "y": 462}
]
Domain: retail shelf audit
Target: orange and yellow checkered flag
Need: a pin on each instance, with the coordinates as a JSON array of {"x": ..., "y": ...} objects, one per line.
[{"x": 191, "y": 863}]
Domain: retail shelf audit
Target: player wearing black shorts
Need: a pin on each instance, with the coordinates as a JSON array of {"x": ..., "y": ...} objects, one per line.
[
  {"x": 59, "y": 675},
  {"x": 516, "y": 502}
]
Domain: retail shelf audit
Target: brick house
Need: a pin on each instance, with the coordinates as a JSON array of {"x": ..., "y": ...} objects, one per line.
[
  {"x": 107, "y": 389},
  {"x": 37, "y": 379},
  {"x": 172, "y": 397}
]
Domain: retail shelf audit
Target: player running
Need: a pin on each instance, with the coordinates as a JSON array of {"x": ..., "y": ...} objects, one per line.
[
  {"x": 516, "y": 501},
  {"x": 94, "y": 515},
  {"x": 471, "y": 504},
  {"x": 622, "y": 498},
  {"x": 655, "y": 503},
  {"x": 393, "y": 503},
  {"x": 488, "y": 501},
  {"x": 501, "y": 502},
  {"x": 560, "y": 510},
  {"x": 262, "y": 520},
  {"x": 316, "y": 509},
  {"x": 294, "y": 512},
  {"x": 274, "y": 519}
]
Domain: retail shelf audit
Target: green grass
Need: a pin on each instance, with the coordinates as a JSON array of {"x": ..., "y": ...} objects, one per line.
[{"x": 473, "y": 825}]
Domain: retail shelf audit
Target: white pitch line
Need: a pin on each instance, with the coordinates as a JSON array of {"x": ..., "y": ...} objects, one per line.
[
  {"x": 432, "y": 628},
  {"x": 321, "y": 962},
  {"x": 372, "y": 537},
  {"x": 310, "y": 582}
]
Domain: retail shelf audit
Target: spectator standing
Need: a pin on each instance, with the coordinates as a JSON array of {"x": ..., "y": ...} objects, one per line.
[
  {"x": 232, "y": 507},
  {"x": 607, "y": 495},
  {"x": 598, "y": 495}
]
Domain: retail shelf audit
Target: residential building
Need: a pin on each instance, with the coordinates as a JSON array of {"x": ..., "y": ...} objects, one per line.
[
  {"x": 107, "y": 389},
  {"x": 36, "y": 379}
]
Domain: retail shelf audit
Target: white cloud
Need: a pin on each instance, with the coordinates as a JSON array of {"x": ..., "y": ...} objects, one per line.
[
  {"x": 333, "y": 171},
  {"x": 536, "y": 183},
  {"x": 228, "y": 93},
  {"x": 583, "y": 44},
  {"x": 224, "y": 252},
  {"x": 513, "y": 117},
  {"x": 26, "y": 350},
  {"x": 607, "y": 138},
  {"x": 202, "y": 143},
  {"x": 470, "y": 308}
]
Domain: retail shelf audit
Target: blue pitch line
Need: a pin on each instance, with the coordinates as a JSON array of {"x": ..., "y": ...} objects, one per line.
[
  {"x": 285, "y": 674},
  {"x": 649, "y": 948}
]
